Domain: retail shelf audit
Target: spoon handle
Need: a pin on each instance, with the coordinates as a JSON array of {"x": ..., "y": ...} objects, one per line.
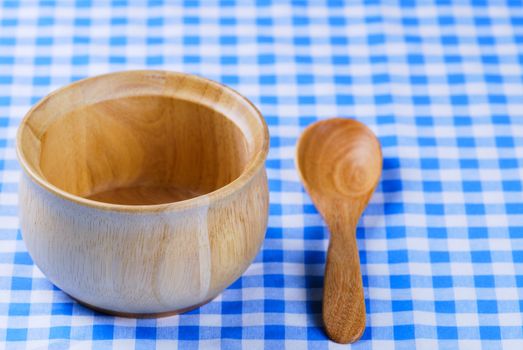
[{"x": 343, "y": 299}]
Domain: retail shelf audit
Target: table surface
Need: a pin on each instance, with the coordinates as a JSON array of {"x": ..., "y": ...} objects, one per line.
[{"x": 441, "y": 242}]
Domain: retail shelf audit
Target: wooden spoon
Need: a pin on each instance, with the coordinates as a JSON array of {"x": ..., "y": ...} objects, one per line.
[{"x": 339, "y": 161}]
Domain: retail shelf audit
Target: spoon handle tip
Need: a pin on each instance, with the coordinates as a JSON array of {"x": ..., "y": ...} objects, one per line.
[{"x": 343, "y": 298}]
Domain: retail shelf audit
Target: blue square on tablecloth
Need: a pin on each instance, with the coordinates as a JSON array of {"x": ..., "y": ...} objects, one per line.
[
  {"x": 19, "y": 309},
  {"x": 445, "y": 306},
  {"x": 191, "y": 20},
  {"x": 516, "y": 232},
  {"x": 487, "y": 307},
  {"x": 191, "y": 59},
  {"x": 115, "y": 21},
  {"x": 230, "y": 79},
  {"x": 395, "y": 232},
  {"x": 435, "y": 209},
  {"x": 391, "y": 163},
  {"x": 427, "y": 141},
  {"x": 191, "y": 40},
  {"x": 118, "y": 41},
  {"x": 231, "y": 333},
  {"x": 475, "y": 209},
  {"x": 508, "y": 163},
  {"x": 7, "y": 41},
  {"x": 514, "y": 208},
  {"x": 155, "y": 41},
  {"x": 404, "y": 332},
  {"x": 268, "y": 80},
  {"x": 472, "y": 186},
  {"x": 188, "y": 333},
  {"x": 398, "y": 256},
  {"x": 117, "y": 59},
  {"x": 80, "y": 60},
  {"x": 44, "y": 81},
  {"x": 62, "y": 308},
  {"x": 4, "y": 80},
  {"x": 429, "y": 163},
  {"x": 23, "y": 258},
  {"x": 145, "y": 332},
  {"x": 439, "y": 257},
  {"x": 313, "y": 257},
  {"x": 447, "y": 332},
  {"x": 394, "y": 208},
  {"x": 505, "y": 142},
  {"x": 266, "y": 59},
  {"x": 424, "y": 121},
  {"x": 231, "y": 307},
  {"x": 315, "y": 333},
  {"x": 391, "y": 185},
  {"x": 402, "y": 305},
  {"x": 273, "y": 305},
  {"x": 468, "y": 163},
  {"x": 274, "y": 332},
  {"x": 9, "y": 22},
  {"x": 517, "y": 256},
  {"x": 228, "y": 21},
  {"x": 264, "y": 21},
  {"x": 21, "y": 283},
  {"x": 490, "y": 332},
  {"x": 155, "y": 60},
  {"x": 82, "y": 22},
  {"x": 442, "y": 281},
  {"x": 481, "y": 256},
  {"x": 228, "y": 60},
  {"x": 478, "y": 232},
  {"x": 421, "y": 100},
  {"x": 512, "y": 186},
  {"x": 101, "y": 332},
  {"x": 45, "y": 21},
  {"x": 399, "y": 281},
  {"x": 269, "y": 99},
  {"x": 228, "y": 40},
  {"x": 16, "y": 334},
  {"x": 62, "y": 332},
  {"x": 273, "y": 281},
  {"x": 80, "y": 40}
]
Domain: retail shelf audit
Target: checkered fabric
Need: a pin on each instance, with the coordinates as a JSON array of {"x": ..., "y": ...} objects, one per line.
[{"x": 441, "y": 242}]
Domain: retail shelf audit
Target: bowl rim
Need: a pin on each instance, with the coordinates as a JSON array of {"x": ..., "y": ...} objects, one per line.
[{"x": 252, "y": 168}]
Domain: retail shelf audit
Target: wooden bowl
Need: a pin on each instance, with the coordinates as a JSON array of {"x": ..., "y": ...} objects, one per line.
[{"x": 144, "y": 193}]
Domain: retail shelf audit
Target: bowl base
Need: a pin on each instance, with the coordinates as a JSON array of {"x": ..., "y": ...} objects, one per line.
[{"x": 140, "y": 315}]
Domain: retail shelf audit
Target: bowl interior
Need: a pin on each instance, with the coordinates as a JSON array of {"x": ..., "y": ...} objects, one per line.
[
  {"x": 141, "y": 139},
  {"x": 142, "y": 150}
]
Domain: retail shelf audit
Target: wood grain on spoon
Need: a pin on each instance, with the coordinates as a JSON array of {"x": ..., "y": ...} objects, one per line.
[{"x": 339, "y": 161}]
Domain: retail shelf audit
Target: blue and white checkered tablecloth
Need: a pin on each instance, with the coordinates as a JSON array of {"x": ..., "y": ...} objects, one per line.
[{"x": 441, "y": 242}]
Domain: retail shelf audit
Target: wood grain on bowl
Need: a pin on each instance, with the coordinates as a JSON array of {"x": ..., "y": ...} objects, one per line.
[{"x": 143, "y": 192}]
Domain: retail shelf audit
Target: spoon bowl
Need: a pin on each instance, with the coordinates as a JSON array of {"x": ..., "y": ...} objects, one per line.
[
  {"x": 339, "y": 161},
  {"x": 344, "y": 150}
]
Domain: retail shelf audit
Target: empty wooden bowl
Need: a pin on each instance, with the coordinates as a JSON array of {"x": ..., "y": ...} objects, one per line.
[{"x": 143, "y": 193}]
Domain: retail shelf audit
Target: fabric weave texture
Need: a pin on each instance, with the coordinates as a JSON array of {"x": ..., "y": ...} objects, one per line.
[{"x": 440, "y": 83}]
